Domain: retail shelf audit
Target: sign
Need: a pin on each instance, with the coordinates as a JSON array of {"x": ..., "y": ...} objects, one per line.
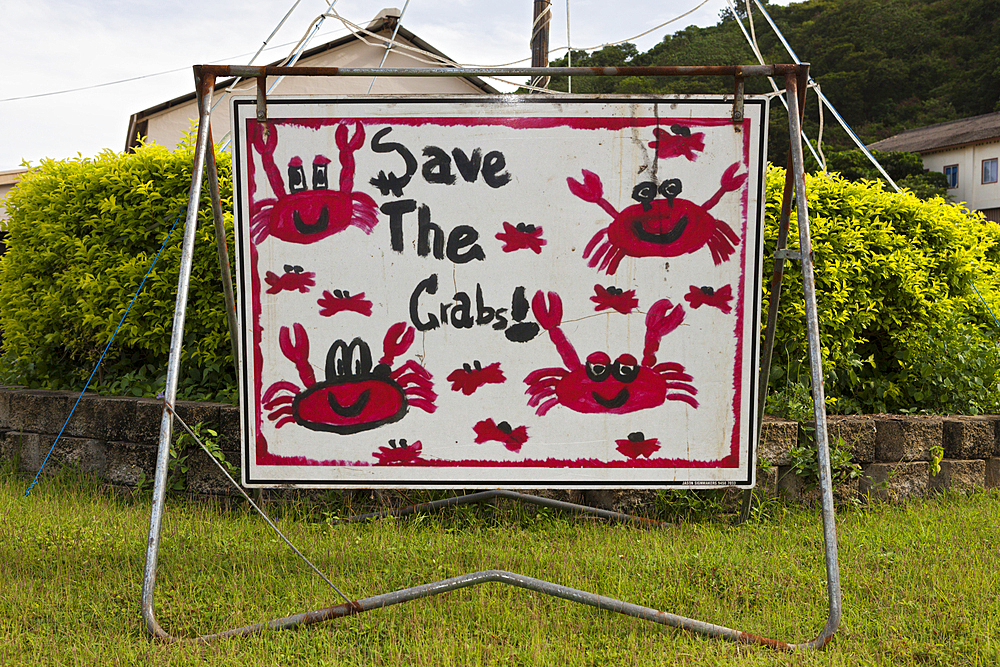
[{"x": 499, "y": 292}]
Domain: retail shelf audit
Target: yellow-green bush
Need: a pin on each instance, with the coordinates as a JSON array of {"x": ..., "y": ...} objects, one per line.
[
  {"x": 81, "y": 235},
  {"x": 901, "y": 325}
]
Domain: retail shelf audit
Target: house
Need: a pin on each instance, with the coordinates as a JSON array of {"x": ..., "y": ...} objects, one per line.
[
  {"x": 8, "y": 179},
  {"x": 167, "y": 123},
  {"x": 966, "y": 151}
]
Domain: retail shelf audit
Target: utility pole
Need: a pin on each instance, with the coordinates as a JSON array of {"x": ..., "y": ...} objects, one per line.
[{"x": 540, "y": 40}]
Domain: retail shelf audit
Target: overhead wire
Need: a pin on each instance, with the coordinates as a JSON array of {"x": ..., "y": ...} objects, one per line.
[
  {"x": 435, "y": 59},
  {"x": 388, "y": 45},
  {"x": 303, "y": 43},
  {"x": 823, "y": 100},
  {"x": 778, "y": 92}
]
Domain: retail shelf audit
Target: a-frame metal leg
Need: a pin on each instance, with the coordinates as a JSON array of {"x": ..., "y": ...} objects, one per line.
[
  {"x": 205, "y": 87},
  {"x": 795, "y": 85}
]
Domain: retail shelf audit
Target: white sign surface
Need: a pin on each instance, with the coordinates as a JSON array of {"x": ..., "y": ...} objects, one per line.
[{"x": 514, "y": 292}]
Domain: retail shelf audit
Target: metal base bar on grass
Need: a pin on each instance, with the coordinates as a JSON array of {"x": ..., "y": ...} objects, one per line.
[
  {"x": 510, "y": 579},
  {"x": 485, "y": 496},
  {"x": 205, "y": 76}
]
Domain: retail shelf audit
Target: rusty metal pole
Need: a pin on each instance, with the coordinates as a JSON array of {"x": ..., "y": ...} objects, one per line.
[
  {"x": 795, "y": 84},
  {"x": 205, "y": 85},
  {"x": 221, "y": 248}
]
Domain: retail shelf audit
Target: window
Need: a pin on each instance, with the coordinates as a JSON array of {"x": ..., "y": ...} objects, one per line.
[
  {"x": 990, "y": 171},
  {"x": 951, "y": 173}
]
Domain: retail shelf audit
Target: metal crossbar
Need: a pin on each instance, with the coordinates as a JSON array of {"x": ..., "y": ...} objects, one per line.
[{"x": 796, "y": 77}]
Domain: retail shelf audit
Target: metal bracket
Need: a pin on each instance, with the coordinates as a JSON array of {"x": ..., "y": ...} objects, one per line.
[
  {"x": 262, "y": 99},
  {"x": 738, "y": 101},
  {"x": 785, "y": 253}
]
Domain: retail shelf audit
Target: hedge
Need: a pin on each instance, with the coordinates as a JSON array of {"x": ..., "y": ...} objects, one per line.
[
  {"x": 81, "y": 235},
  {"x": 902, "y": 326}
]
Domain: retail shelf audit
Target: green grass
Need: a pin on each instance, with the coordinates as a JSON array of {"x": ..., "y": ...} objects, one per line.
[{"x": 920, "y": 584}]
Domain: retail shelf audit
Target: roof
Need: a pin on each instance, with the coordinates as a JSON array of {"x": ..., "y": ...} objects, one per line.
[
  {"x": 385, "y": 21},
  {"x": 953, "y": 134},
  {"x": 12, "y": 176}
]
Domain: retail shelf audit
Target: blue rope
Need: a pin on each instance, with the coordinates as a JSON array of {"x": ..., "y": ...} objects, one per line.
[
  {"x": 66, "y": 423},
  {"x": 984, "y": 303}
]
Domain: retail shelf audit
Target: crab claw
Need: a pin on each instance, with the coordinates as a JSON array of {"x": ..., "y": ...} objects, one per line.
[
  {"x": 659, "y": 322},
  {"x": 590, "y": 190},
  {"x": 297, "y": 352},
  {"x": 398, "y": 340},
  {"x": 263, "y": 137},
  {"x": 355, "y": 142},
  {"x": 549, "y": 317},
  {"x": 730, "y": 180}
]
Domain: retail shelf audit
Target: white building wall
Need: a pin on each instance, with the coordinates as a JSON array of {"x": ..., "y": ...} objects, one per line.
[
  {"x": 8, "y": 179},
  {"x": 984, "y": 195},
  {"x": 971, "y": 191}
]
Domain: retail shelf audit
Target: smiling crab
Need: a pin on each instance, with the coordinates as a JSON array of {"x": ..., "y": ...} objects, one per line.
[
  {"x": 665, "y": 227},
  {"x": 603, "y": 386}
]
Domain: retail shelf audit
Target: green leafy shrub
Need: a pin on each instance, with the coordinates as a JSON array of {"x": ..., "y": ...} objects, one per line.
[
  {"x": 902, "y": 328},
  {"x": 81, "y": 235}
]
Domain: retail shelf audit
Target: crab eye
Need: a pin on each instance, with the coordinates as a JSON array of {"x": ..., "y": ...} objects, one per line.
[
  {"x": 320, "y": 179},
  {"x": 680, "y": 130},
  {"x": 598, "y": 366},
  {"x": 359, "y": 357},
  {"x": 296, "y": 175},
  {"x": 625, "y": 368},
  {"x": 671, "y": 188},
  {"x": 644, "y": 193},
  {"x": 344, "y": 360},
  {"x": 335, "y": 360}
]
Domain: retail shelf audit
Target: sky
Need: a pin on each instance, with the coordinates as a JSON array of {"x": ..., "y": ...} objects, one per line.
[{"x": 145, "y": 51}]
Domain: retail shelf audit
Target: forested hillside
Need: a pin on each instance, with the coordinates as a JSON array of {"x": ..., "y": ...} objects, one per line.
[{"x": 886, "y": 65}]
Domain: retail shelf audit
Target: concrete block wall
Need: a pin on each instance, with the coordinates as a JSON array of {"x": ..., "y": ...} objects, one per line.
[
  {"x": 116, "y": 439},
  {"x": 894, "y": 453}
]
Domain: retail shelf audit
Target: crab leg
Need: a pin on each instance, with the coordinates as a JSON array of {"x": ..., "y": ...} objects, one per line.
[
  {"x": 690, "y": 400},
  {"x": 268, "y": 401},
  {"x": 730, "y": 182},
  {"x": 550, "y": 318},
  {"x": 297, "y": 352},
  {"x": 658, "y": 324},
  {"x": 347, "y": 148},
  {"x": 591, "y": 190}
]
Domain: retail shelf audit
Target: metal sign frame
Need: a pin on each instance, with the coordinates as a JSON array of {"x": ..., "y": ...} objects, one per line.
[{"x": 795, "y": 77}]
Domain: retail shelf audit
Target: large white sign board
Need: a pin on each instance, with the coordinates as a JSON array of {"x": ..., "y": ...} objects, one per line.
[{"x": 499, "y": 292}]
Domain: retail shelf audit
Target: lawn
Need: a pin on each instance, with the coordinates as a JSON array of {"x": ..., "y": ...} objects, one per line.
[{"x": 920, "y": 583}]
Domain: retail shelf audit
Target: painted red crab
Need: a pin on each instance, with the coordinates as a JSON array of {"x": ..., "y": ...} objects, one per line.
[
  {"x": 354, "y": 397},
  {"x": 468, "y": 379},
  {"x": 295, "y": 278},
  {"x": 402, "y": 454},
  {"x": 665, "y": 227},
  {"x": 636, "y": 445},
  {"x": 680, "y": 141},
  {"x": 601, "y": 385},
  {"x": 303, "y": 215},
  {"x": 510, "y": 437}
]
